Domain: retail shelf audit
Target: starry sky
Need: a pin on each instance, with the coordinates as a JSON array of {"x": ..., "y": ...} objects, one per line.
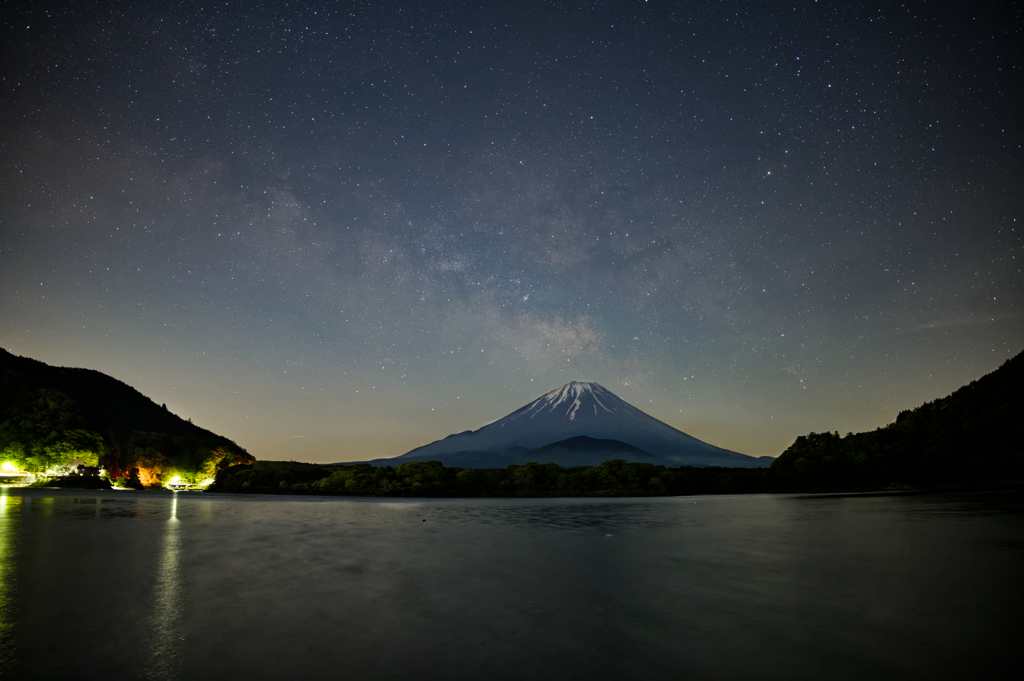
[{"x": 337, "y": 231}]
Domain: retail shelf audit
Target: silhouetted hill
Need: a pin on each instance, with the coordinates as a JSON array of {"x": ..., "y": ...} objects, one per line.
[
  {"x": 574, "y": 451},
  {"x": 587, "y": 451},
  {"x": 53, "y": 417},
  {"x": 972, "y": 435}
]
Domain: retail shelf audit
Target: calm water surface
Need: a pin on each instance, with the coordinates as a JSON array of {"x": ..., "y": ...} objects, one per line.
[{"x": 200, "y": 586}]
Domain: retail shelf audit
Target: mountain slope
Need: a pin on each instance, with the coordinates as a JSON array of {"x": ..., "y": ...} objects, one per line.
[
  {"x": 971, "y": 434},
  {"x": 52, "y": 417},
  {"x": 574, "y": 410},
  {"x": 587, "y": 451},
  {"x": 575, "y": 451}
]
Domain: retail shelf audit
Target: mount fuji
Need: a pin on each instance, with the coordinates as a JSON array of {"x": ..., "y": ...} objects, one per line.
[{"x": 581, "y": 423}]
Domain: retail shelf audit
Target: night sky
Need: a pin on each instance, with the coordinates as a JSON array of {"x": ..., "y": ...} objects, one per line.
[{"x": 337, "y": 231}]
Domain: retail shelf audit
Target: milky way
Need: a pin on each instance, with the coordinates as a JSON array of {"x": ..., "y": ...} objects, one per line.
[{"x": 338, "y": 231}]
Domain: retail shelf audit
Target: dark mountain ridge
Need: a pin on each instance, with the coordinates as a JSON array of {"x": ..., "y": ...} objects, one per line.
[
  {"x": 587, "y": 451},
  {"x": 51, "y": 417},
  {"x": 973, "y": 434}
]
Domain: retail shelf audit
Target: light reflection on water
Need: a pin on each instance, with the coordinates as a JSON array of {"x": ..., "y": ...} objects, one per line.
[
  {"x": 166, "y": 636},
  {"x": 203, "y": 586},
  {"x": 7, "y": 585}
]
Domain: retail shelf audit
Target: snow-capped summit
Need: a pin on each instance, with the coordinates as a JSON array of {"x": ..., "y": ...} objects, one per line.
[
  {"x": 570, "y": 398},
  {"x": 579, "y": 408}
]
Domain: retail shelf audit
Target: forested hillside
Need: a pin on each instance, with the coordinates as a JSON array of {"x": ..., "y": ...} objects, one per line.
[
  {"x": 973, "y": 435},
  {"x": 55, "y": 418}
]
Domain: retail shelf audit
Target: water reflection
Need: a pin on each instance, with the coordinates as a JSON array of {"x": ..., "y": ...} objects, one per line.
[
  {"x": 586, "y": 514},
  {"x": 8, "y": 518},
  {"x": 165, "y": 622},
  {"x": 214, "y": 587}
]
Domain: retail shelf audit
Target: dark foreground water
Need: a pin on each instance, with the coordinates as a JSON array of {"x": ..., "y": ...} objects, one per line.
[{"x": 191, "y": 586}]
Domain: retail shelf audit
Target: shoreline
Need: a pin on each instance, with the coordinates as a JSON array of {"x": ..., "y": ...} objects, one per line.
[{"x": 902, "y": 490}]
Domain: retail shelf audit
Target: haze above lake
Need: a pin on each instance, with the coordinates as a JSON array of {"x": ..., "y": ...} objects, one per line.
[{"x": 204, "y": 586}]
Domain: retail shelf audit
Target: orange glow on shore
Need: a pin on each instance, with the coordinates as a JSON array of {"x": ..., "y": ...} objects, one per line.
[{"x": 149, "y": 477}]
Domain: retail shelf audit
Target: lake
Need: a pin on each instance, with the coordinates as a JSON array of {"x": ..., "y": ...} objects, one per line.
[{"x": 154, "y": 585}]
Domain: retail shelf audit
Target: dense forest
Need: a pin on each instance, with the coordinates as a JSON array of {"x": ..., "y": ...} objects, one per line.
[
  {"x": 971, "y": 436},
  {"x": 55, "y": 419}
]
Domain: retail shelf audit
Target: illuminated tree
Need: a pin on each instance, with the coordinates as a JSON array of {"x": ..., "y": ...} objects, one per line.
[{"x": 151, "y": 464}]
